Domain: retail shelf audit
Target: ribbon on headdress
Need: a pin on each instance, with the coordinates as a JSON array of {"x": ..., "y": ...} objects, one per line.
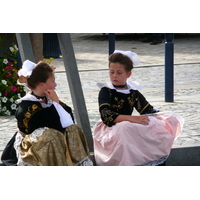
[
  {"x": 133, "y": 56},
  {"x": 27, "y": 68}
]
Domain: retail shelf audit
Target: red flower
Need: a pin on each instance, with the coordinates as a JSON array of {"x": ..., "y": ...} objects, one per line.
[
  {"x": 6, "y": 93},
  {"x": 8, "y": 68},
  {"x": 14, "y": 88},
  {"x": 8, "y": 74}
]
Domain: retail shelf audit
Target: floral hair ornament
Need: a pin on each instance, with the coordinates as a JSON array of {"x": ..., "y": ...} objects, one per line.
[
  {"x": 25, "y": 71},
  {"x": 133, "y": 56}
]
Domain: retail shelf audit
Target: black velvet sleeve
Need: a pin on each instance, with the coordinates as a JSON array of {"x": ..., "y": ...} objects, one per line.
[
  {"x": 142, "y": 105},
  {"x": 30, "y": 116},
  {"x": 107, "y": 114}
]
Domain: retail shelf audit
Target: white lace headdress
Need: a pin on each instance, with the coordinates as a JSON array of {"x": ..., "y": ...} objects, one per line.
[
  {"x": 133, "y": 56},
  {"x": 25, "y": 72},
  {"x": 26, "y": 69},
  {"x": 131, "y": 84}
]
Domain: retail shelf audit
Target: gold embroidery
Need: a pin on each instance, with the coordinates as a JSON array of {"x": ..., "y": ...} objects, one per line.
[
  {"x": 138, "y": 102},
  {"x": 131, "y": 101},
  {"x": 107, "y": 104},
  {"x": 144, "y": 108},
  {"x": 27, "y": 116},
  {"x": 119, "y": 104},
  {"x": 34, "y": 107},
  {"x": 25, "y": 121},
  {"x": 107, "y": 115}
]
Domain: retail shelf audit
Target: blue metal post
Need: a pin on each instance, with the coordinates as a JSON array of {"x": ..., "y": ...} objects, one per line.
[
  {"x": 169, "y": 67},
  {"x": 111, "y": 40}
]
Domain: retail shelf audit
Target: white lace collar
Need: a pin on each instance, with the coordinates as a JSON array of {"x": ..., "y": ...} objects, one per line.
[
  {"x": 131, "y": 85},
  {"x": 30, "y": 97}
]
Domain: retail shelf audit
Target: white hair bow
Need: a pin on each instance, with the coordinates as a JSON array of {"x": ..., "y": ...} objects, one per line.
[
  {"x": 133, "y": 56},
  {"x": 27, "y": 68}
]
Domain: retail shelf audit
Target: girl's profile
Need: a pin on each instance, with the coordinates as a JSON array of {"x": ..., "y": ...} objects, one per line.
[{"x": 47, "y": 134}]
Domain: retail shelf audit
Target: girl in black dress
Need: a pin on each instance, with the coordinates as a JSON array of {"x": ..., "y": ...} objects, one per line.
[{"x": 46, "y": 132}]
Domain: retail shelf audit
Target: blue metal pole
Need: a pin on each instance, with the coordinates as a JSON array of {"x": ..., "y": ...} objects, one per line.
[
  {"x": 111, "y": 41},
  {"x": 169, "y": 67}
]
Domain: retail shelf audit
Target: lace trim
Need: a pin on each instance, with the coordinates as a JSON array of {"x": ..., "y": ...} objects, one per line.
[
  {"x": 37, "y": 133},
  {"x": 85, "y": 162},
  {"x": 18, "y": 139},
  {"x": 33, "y": 136},
  {"x": 155, "y": 162},
  {"x": 131, "y": 85}
]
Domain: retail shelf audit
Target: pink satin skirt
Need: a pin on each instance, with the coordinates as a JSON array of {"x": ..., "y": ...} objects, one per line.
[{"x": 127, "y": 144}]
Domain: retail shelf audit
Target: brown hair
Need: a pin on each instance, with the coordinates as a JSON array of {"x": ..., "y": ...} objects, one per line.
[
  {"x": 122, "y": 59},
  {"x": 40, "y": 73}
]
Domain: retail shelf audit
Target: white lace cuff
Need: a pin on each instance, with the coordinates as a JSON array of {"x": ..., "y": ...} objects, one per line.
[{"x": 65, "y": 117}]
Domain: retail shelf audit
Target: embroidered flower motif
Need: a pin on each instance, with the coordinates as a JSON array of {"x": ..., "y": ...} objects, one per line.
[
  {"x": 34, "y": 107},
  {"x": 119, "y": 103}
]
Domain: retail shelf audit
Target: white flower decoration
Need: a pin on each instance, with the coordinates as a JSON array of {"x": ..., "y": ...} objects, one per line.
[
  {"x": 4, "y": 99},
  {"x": 13, "y": 106},
  {"x": 16, "y": 47},
  {"x": 4, "y": 108},
  {"x": 7, "y": 112},
  {"x": 19, "y": 95},
  {"x": 5, "y": 61},
  {"x": 11, "y": 49},
  {"x": 4, "y": 82},
  {"x": 11, "y": 100}
]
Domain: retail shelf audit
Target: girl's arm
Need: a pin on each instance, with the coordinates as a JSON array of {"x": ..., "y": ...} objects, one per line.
[
  {"x": 142, "y": 105},
  {"x": 144, "y": 120},
  {"x": 105, "y": 110},
  {"x": 109, "y": 117}
]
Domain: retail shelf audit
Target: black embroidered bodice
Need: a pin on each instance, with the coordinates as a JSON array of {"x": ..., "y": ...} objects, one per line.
[
  {"x": 113, "y": 103},
  {"x": 30, "y": 115}
]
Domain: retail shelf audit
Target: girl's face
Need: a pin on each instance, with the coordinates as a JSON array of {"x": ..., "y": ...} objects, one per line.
[
  {"x": 50, "y": 83},
  {"x": 118, "y": 74}
]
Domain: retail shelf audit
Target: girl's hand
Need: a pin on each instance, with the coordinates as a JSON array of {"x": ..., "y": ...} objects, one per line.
[
  {"x": 140, "y": 120},
  {"x": 52, "y": 95},
  {"x": 144, "y": 120}
]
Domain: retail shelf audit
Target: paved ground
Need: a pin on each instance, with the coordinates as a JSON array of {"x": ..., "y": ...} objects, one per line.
[{"x": 91, "y": 51}]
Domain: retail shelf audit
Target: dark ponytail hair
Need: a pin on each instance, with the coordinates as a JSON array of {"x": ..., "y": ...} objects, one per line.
[{"x": 40, "y": 73}]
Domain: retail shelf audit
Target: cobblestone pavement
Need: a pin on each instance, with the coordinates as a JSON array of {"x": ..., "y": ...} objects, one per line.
[{"x": 91, "y": 51}]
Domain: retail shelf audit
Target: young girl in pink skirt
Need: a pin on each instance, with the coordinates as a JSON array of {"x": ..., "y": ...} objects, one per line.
[{"x": 123, "y": 139}]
